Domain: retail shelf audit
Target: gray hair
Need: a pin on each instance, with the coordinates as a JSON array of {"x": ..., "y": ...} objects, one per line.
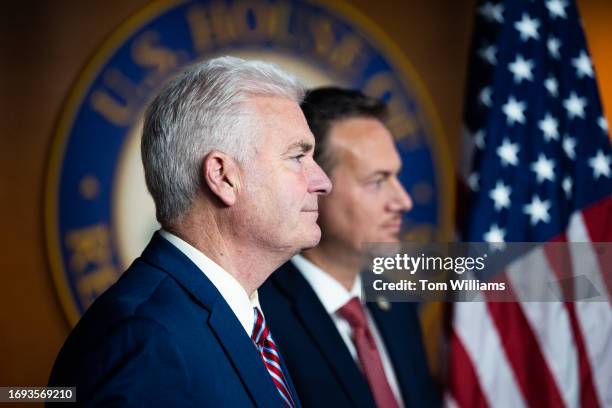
[{"x": 201, "y": 110}]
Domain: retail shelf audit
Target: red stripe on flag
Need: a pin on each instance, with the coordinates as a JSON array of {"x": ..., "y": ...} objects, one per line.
[
  {"x": 560, "y": 261},
  {"x": 588, "y": 395},
  {"x": 598, "y": 219},
  {"x": 524, "y": 355},
  {"x": 463, "y": 381}
]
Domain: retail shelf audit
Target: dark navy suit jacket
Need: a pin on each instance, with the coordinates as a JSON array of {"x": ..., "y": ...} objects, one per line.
[
  {"x": 321, "y": 366},
  {"x": 163, "y": 336}
]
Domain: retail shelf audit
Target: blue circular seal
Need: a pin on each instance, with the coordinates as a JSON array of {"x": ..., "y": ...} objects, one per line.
[{"x": 98, "y": 214}]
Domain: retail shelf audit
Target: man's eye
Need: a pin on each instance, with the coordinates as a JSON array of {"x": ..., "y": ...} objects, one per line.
[
  {"x": 298, "y": 157},
  {"x": 377, "y": 182}
]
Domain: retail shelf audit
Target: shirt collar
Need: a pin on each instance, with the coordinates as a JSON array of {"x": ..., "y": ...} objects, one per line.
[
  {"x": 329, "y": 291},
  {"x": 232, "y": 291}
]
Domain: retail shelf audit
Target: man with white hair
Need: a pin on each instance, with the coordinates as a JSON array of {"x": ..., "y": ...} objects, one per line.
[{"x": 228, "y": 160}]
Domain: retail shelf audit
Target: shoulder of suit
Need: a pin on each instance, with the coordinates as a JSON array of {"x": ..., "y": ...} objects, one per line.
[{"x": 143, "y": 292}]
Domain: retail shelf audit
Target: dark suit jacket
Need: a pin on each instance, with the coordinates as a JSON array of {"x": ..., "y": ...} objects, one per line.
[
  {"x": 321, "y": 366},
  {"x": 163, "y": 336}
]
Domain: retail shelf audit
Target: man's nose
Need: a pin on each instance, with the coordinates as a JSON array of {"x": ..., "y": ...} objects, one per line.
[
  {"x": 318, "y": 182},
  {"x": 401, "y": 200}
]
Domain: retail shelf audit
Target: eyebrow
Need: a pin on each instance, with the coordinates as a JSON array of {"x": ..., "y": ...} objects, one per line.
[
  {"x": 384, "y": 173},
  {"x": 377, "y": 173},
  {"x": 303, "y": 146}
]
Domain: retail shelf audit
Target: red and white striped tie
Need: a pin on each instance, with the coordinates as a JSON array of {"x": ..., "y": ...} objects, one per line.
[{"x": 267, "y": 348}]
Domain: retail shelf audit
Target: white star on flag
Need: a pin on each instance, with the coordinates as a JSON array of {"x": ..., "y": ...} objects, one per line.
[
  {"x": 521, "y": 69},
  {"x": 508, "y": 153},
  {"x": 543, "y": 168},
  {"x": 528, "y": 27},
  {"x": 479, "y": 139},
  {"x": 556, "y": 8},
  {"x": 549, "y": 126},
  {"x": 500, "y": 195},
  {"x": 514, "y": 111},
  {"x": 496, "y": 237},
  {"x": 566, "y": 184},
  {"x": 492, "y": 12},
  {"x": 551, "y": 85},
  {"x": 487, "y": 53},
  {"x": 569, "y": 146},
  {"x": 473, "y": 180},
  {"x": 574, "y": 105},
  {"x": 537, "y": 210},
  {"x": 600, "y": 164},
  {"x": 545, "y": 177},
  {"x": 485, "y": 96},
  {"x": 603, "y": 123},
  {"x": 583, "y": 66},
  {"x": 553, "y": 44}
]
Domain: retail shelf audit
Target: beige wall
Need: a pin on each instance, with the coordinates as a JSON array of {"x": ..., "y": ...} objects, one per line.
[{"x": 43, "y": 48}]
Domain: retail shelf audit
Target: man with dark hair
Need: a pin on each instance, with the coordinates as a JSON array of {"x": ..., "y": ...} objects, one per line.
[
  {"x": 324, "y": 106},
  {"x": 340, "y": 351}
]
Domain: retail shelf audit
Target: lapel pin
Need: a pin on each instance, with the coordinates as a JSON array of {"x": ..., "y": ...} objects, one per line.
[{"x": 383, "y": 304}]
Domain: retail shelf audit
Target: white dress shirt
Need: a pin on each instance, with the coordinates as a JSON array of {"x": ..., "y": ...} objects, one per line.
[
  {"x": 333, "y": 296},
  {"x": 234, "y": 294}
]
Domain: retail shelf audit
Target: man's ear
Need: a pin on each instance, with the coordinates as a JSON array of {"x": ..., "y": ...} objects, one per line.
[{"x": 221, "y": 174}]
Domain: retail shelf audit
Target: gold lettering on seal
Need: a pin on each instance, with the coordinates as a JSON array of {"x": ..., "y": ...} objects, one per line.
[
  {"x": 322, "y": 35},
  {"x": 121, "y": 104},
  {"x": 277, "y": 24},
  {"x": 219, "y": 25},
  {"x": 345, "y": 53},
  {"x": 222, "y": 30},
  {"x": 118, "y": 112},
  {"x": 91, "y": 261},
  {"x": 201, "y": 36},
  {"x": 88, "y": 246},
  {"x": 147, "y": 53},
  {"x": 239, "y": 20},
  {"x": 401, "y": 121},
  {"x": 94, "y": 283}
]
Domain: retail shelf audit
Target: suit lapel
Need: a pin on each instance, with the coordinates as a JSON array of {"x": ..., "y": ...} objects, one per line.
[
  {"x": 224, "y": 324},
  {"x": 320, "y": 327},
  {"x": 243, "y": 355},
  {"x": 162, "y": 254},
  {"x": 292, "y": 389}
]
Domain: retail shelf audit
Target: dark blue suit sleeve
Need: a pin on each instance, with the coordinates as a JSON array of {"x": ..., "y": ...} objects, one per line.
[{"x": 137, "y": 364}]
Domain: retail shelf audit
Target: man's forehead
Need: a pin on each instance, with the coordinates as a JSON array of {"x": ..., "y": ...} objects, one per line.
[
  {"x": 367, "y": 163},
  {"x": 270, "y": 108},
  {"x": 365, "y": 145},
  {"x": 295, "y": 137},
  {"x": 282, "y": 122}
]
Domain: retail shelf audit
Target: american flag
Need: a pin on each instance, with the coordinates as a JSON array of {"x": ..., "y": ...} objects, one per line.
[{"x": 537, "y": 168}]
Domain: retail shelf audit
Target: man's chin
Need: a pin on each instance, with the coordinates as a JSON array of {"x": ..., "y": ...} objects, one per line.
[
  {"x": 311, "y": 237},
  {"x": 392, "y": 238}
]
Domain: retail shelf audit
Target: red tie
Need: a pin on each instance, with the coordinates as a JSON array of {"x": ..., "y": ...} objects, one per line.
[
  {"x": 371, "y": 363},
  {"x": 265, "y": 344}
]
